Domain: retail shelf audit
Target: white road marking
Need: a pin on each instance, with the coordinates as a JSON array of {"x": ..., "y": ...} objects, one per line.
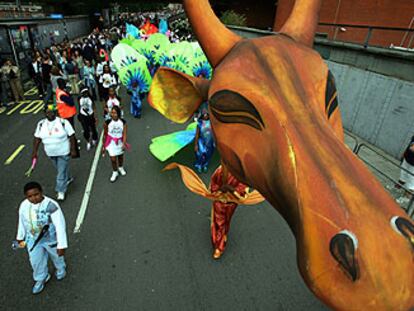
[
  {"x": 89, "y": 184},
  {"x": 14, "y": 155}
]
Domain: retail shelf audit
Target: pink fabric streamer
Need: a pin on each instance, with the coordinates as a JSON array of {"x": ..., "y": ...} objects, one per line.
[
  {"x": 109, "y": 138},
  {"x": 30, "y": 170},
  {"x": 34, "y": 162}
]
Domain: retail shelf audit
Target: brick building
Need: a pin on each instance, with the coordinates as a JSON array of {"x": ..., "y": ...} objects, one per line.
[{"x": 383, "y": 13}]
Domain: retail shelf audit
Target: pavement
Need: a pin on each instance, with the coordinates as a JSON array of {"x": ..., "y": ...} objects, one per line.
[{"x": 144, "y": 243}]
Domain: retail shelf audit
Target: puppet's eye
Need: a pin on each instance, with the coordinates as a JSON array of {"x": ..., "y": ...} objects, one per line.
[
  {"x": 230, "y": 107},
  {"x": 404, "y": 227},
  {"x": 343, "y": 248}
]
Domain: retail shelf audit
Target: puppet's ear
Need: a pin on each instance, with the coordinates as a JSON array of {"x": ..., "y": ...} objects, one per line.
[{"x": 176, "y": 95}]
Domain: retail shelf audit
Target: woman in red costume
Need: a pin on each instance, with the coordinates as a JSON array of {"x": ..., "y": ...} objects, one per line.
[{"x": 226, "y": 192}]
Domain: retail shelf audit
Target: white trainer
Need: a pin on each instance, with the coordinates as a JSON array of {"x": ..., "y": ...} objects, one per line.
[
  {"x": 88, "y": 146},
  {"x": 60, "y": 196},
  {"x": 114, "y": 176},
  {"x": 122, "y": 171}
]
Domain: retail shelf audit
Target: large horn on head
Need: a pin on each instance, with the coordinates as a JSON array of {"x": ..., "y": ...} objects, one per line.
[
  {"x": 303, "y": 21},
  {"x": 215, "y": 39}
]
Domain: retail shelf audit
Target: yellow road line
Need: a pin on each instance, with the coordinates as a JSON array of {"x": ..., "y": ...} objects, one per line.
[
  {"x": 32, "y": 91},
  {"x": 23, "y": 102},
  {"x": 14, "y": 155},
  {"x": 32, "y": 107}
]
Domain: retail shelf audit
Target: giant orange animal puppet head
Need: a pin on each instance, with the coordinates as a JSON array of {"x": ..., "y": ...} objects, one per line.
[{"x": 276, "y": 121}]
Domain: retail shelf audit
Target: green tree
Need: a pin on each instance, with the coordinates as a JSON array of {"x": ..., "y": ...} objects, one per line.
[{"x": 232, "y": 18}]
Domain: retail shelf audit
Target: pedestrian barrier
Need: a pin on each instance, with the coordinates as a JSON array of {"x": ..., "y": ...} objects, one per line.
[
  {"x": 357, "y": 149},
  {"x": 407, "y": 33},
  {"x": 354, "y": 138}
]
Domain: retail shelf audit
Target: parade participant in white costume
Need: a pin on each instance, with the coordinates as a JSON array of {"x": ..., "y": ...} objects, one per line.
[{"x": 115, "y": 138}]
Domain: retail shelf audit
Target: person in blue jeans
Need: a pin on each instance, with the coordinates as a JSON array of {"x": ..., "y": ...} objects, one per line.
[
  {"x": 42, "y": 230},
  {"x": 58, "y": 138}
]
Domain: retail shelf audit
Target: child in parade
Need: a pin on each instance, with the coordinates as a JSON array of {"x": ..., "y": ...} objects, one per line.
[
  {"x": 107, "y": 80},
  {"x": 111, "y": 101},
  {"x": 87, "y": 117},
  {"x": 204, "y": 141},
  {"x": 42, "y": 230},
  {"x": 115, "y": 138}
]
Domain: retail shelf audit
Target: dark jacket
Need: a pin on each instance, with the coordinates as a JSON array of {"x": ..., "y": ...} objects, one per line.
[{"x": 32, "y": 72}]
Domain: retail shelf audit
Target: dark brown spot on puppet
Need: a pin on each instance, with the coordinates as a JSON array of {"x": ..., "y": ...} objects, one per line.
[
  {"x": 343, "y": 249},
  {"x": 405, "y": 228}
]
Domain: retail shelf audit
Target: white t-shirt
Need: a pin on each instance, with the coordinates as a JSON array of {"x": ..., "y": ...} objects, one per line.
[
  {"x": 85, "y": 106},
  {"x": 111, "y": 102},
  {"x": 55, "y": 136},
  {"x": 32, "y": 217},
  {"x": 116, "y": 128},
  {"x": 107, "y": 80}
]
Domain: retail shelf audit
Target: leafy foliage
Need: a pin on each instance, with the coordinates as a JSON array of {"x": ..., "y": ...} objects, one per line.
[{"x": 232, "y": 18}]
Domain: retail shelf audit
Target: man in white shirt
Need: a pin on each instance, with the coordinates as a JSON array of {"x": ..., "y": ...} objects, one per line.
[
  {"x": 43, "y": 229},
  {"x": 58, "y": 138}
]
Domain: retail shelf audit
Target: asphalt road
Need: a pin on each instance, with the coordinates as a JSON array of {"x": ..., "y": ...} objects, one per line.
[{"x": 145, "y": 243}]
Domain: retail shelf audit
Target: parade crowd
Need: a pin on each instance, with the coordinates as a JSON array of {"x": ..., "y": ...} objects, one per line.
[{"x": 72, "y": 78}]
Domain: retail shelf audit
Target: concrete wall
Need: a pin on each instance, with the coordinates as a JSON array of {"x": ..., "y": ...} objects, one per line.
[
  {"x": 375, "y": 87},
  {"x": 375, "y": 107}
]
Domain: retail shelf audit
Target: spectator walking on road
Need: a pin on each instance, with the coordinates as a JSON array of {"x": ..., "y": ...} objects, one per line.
[
  {"x": 46, "y": 69},
  {"x": 55, "y": 75},
  {"x": 107, "y": 80},
  {"x": 12, "y": 74},
  {"x": 72, "y": 71},
  {"x": 4, "y": 86},
  {"x": 65, "y": 104},
  {"x": 66, "y": 107},
  {"x": 35, "y": 72},
  {"x": 115, "y": 138},
  {"x": 89, "y": 78},
  {"x": 78, "y": 59},
  {"x": 88, "y": 51},
  {"x": 407, "y": 172},
  {"x": 58, "y": 138},
  {"x": 87, "y": 117},
  {"x": 42, "y": 229}
]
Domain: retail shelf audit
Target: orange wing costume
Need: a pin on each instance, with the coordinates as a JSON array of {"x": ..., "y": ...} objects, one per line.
[{"x": 224, "y": 203}]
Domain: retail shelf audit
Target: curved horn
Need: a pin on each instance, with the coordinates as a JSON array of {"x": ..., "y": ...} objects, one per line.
[
  {"x": 302, "y": 22},
  {"x": 213, "y": 36}
]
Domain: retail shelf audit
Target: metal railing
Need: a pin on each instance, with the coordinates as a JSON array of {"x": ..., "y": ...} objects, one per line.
[
  {"x": 360, "y": 146},
  {"x": 354, "y": 138},
  {"x": 370, "y": 30}
]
